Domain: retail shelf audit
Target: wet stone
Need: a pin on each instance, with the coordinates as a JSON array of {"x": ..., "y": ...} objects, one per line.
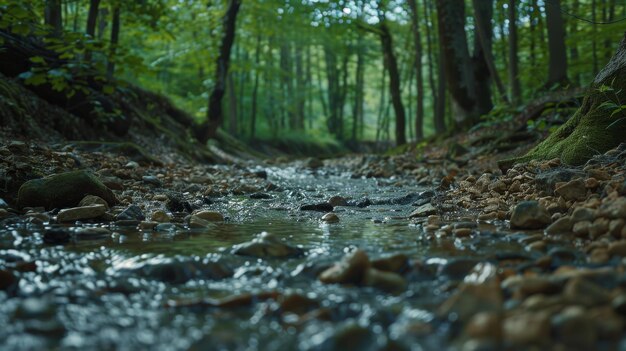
[
  {"x": 260, "y": 196},
  {"x": 330, "y": 218},
  {"x": 423, "y": 211},
  {"x": 528, "y": 329},
  {"x": 211, "y": 216},
  {"x": 91, "y": 233},
  {"x": 530, "y": 215},
  {"x": 160, "y": 216},
  {"x": 575, "y": 328},
  {"x": 152, "y": 180},
  {"x": 132, "y": 212},
  {"x": 81, "y": 213},
  {"x": 385, "y": 281},
  {"x": 267, "y": 245},
  {"x": 56, "y": 236},
  {"x": 573, "y": 190},
  {"x": 337, "y": 201},
  {"x": 8, "y": 281},
  {"x": 350, "y": 270},
  {"x": 560, "y": 226},
  {"x": 320, "y": 207},
  {"x": 394, "y": 263},
  {"x": 91, "y": 200},
  {"x": 586, "y": 293}
]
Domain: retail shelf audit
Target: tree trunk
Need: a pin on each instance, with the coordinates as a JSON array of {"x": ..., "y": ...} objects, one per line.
[
  {"x": 357, "y": 111},
  {"x": 436, "y": 89},
  {"x": 255, "y": 89},
  {"x": 53, "y": 17},
  {"x": 214, "y": 111},
  {"x": 557, "y": 63},
  {"x": 457, "y": 64},
  {"x": 514, "y": 81},
  {"x": 419, "y": 110},
  {"x": 115, "y": 36},
  {"x": 596, "y": 127},
  {"x": 391, "y": 64},
  {"x": 573, "y": 52},
  {"x": 90, "y": 30},
  {"x": 594, "y": 47},
  {"x": 232, "y": 105}
]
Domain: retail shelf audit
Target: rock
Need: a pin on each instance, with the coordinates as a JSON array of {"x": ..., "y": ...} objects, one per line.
[
  {"x": 583, "y": 214},
  {"x": 562, "y": 225},
  {"x": 583, "y": 292},
  {"x": 152, "y": 180},
  {"x": 3, "y": 204},
  {"x": 385, "y": 281},
  {"x": 132, "y": 212},
  {"x": 523, "y": 286},
  {"x": 471, "y": 299},
  {"x": 485, "y": 325},
  {"x": 614, "y": 209},
  {"x": 350, "y": 270},
  {"x": 314, "y": 163},
  {"x": 581, "y": 229},
  {"x": 330, "y": 218},
  {"x": 575, "y": 329},
  {"x": 132, "y": 165},
  {"x": 321, "y": 207},
  {"x": 56, "y": 236},
  {"x": 211, "y": 216},
  {"x": 196, "y": 222},
  {"x": 180, "y": 272},
  {"x": 599, "y": 227},
  {"x": 260, "y": 196},
  {"x": 148, "y": 225},
  {"x": 546, "y": 181},
  {"x": 618, "y": 248},
  {"x": 18, "y": 147},
  {"x": 8, "y": 281},
  {"x": 529, "y": 328},
  {"x": 160, "y": 216},
  {"x": 423, "y": 211},
  {"x": 80, "y": 213},
  {"x": 62, "y": 190},
  {"x": 530, "y": 215},
  {"x": 337, "y": 201},
  {"x": 573, "y": 190},
  {"x": 462, "y": 232},
  {"x": 396, "y": 263},
  {"x": 90, "y": 200},
  {"x": 5, "y": 214},
  {"x": 91, "y": 233},
  {"x": 266, "y": 245},
  {"x": 615, "y": 227}
]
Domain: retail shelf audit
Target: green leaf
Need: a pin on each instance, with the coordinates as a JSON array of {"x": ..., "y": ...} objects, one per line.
[
  {"x": 108, "y": 89},
  {"x": 37, "y": 59}
]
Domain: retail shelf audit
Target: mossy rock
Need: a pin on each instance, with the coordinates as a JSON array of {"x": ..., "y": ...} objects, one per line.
[
  {"x": 594, "y": 128},
  {"x": 62, "y": 190}
]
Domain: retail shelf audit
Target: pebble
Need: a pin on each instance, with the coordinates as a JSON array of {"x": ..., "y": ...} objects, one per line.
[
  {"x": 386, "y": 281},
  {"x": 583, "y": 292},
  {"x": 573, "y": 190},
  {"x": 562, "y": 225},
  {"x": 267, "y": 245},
  {"x": 147, "y": 225},
  {"x": 485, "y": 325},
  {"x": 330, "y": 218},
  {"x": 80, "y": 213},
  {"x": 349, "y": 270},
  {"x": 211, "y": 216},
  {"x": 90, "y": 200},
  {"x": 337, "y": 201},
  {"x": 132, "y": 212},
  {"x": 471, "y": 299},
  {"x": 530, "y": 215},
  {"x": 160, "y": 216},
  {"x": 89, "y": 232},
  {"x": 575, "y": 328},
  {"x": 152, "y": 180},
  {"x": 462, "y": 232},
  {"x": 423, "y": 211},
  {"x": 56, "y": 236},
  {"x": 395, "y": 263},
  {"x": 321, "y": 207},
  {"x": 528, "y": 328}
]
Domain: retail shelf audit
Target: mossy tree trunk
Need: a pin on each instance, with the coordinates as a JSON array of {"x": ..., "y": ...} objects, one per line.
[{"x": 597, "y": 126}]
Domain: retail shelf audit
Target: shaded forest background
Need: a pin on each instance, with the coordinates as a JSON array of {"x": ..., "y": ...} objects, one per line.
[{"x": 337, "y": 71}]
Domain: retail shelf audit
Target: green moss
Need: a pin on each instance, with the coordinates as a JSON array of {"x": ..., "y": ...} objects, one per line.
[
  {"x": 62, "y": 190},
  {"x": 590, "y": 131}
]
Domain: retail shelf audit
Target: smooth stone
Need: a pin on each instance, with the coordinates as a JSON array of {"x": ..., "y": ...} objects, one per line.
[
  {"x": 87, "y": 232},
  {"x": 152, "y": 180},
  {"x": 546, "y": 181},
  {"x": 573, "y": 190},
  {"x": 330, "y": 218},
  {"x": 93, "y": 200},
  {"x": 148, "y": 225},
  {"x": 614, "y": 209},
  {"x": 471, "y": 299},
  {"x": 575, "y": 328},
  {"x": 485, "y": 325},
  {"x": 530, "y": 215},
  {"x": 131, "y": 165},
  {"x": 260, "y": 196},
  {"x": 618, "y": 248},
  {"x": 160, "y": 216},
  {"x": 338, "y": 201},
  {"x": 79, "y": 213},
  {"x": 5, "y": 214},
  {"x": 583, "y": 292},
  {"x": 394, "y": 263},
  {"x": 581, "y": 229},
  {"x": 132, "y": 212},
  {"x": 3, "y": 204},
  {"x": 211, "y": 216},
  {"x": 528, "y": 328},
  {"x": 199, "y": 223},
  {"x": 562, "y": 225},
  {"x": 522, "y": 286},
  {"x": 423, "y": 211},
  {"x": 62, "y": 190},
  {"x": 350, "y": 270},
  {"x": 462, "y": 232},
  {"x": 321, "y": 207},
  {"x": 385, "y": 281},
  {"x": 267, "y": 245},
  {"x": 583, "y": 214}
]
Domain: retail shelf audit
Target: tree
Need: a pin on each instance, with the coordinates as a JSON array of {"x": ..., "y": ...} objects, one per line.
[
  {"x": 214, "y": 111},
  {"x": 391, "y": 65},
  {"x": 92, "y": 18},
  {"x": 514, "y": 81},
  {"x": 597, "y": 126},
  {"x": 557, "y": 64},
  {"x": 53, "y": 16},
  {"x": 419, "y": 112},
  {"x": 115, "y": 37}
]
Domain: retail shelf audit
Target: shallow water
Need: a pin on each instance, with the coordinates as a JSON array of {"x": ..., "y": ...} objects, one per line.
[{"x": 116, "y": 292}]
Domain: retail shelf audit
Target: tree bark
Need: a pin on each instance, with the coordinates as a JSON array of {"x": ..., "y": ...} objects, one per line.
[
  {"x": 115, "y": 36},
  {"x": 53, "y": 16},
  {"x": 557, "y": 63},
  {"x": 391, "y": 64},
  {"x": 514, "y": 81},
  {"x": 596, "y": 127},
  {"x": 214, "y": 111},
  {"x": 459, "y": 72},
  {"x": 419, "y": 109},
  {"x": 255, "y": 88},
  {"x": 92, "y": 19}
]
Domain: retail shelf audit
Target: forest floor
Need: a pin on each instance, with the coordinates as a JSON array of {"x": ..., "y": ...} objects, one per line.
[{"x": 362, "y": 251}]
